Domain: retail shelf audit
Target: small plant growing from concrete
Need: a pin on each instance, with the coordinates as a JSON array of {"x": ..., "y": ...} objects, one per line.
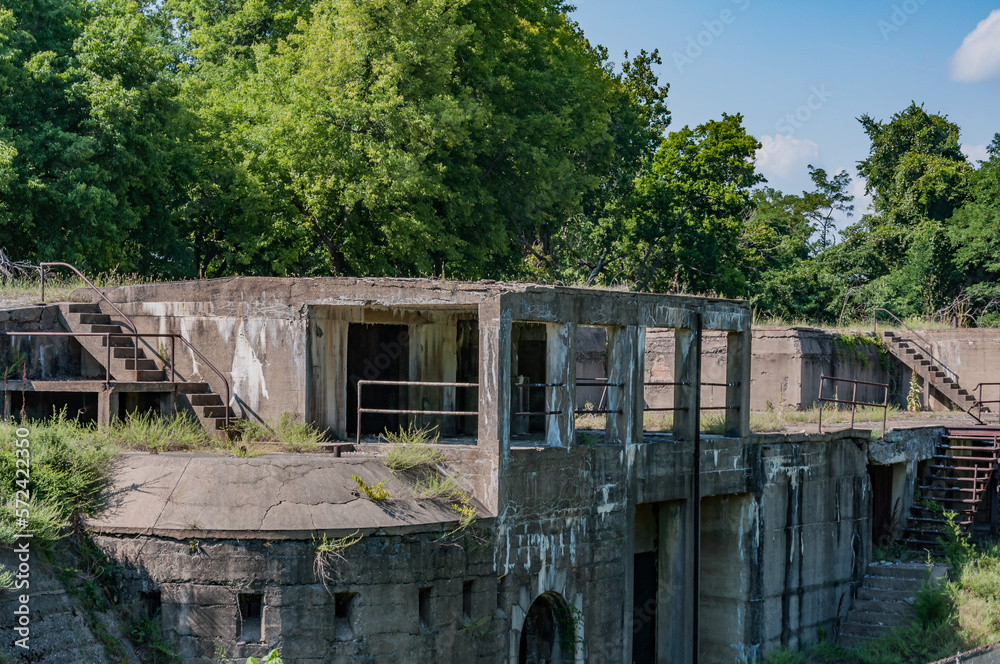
[
  {"x": 272, "y": 658},
  {"x": 329, "y": 552},
  {"x": 13, "y": 367},
  {"x": 411, "y": 449},
  {"x": 163, "y": 356},
  {"x": 914, "y": 397},
  {"x": 376, "y": 493}
]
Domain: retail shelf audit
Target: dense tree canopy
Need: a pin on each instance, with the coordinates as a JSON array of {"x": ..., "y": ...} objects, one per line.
[{"x": 470, "y": 138}]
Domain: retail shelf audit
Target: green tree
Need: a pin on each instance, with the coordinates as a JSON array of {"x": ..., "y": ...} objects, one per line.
[
  {"x": 691, "y": 208},
  {"x": 378, "y": 138},
  {"x": 829, "y": 198},
  {"x": 92, "y": 139}
]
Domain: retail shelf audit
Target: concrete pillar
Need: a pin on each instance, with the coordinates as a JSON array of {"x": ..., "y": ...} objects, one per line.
[
  {"x": 107, "y": 406},
  {"x": 625, "y": 356},
  {"x": 560, "y": 370},
  {"x": 687, "y": 373},
  {"x": 675, "y": 592},
  {"x": 433, "y": 358},
  {"x": 494, "y": 377},
  {"x": 738, "y": 380},
  {"x": 328, "y": 380}
]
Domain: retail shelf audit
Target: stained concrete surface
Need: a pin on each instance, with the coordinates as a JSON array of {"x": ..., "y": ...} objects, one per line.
[{"x": 280, "y": 496}]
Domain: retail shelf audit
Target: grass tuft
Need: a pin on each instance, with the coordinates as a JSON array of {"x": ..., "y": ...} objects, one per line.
[
  {"x": 292, "y": 436},
  {"x": 411, "y": 450}
]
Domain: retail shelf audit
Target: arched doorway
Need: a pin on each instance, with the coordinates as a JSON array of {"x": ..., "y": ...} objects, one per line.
[{"x": 549, "y": 633}]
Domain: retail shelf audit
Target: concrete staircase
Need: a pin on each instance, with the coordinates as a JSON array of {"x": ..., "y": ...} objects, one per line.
[
  {"x": 884, "y": 601},
  {"x": 131, "y": 364},
  {"x": 956, "y": 481},
  {"x": 934, "y": 375}
]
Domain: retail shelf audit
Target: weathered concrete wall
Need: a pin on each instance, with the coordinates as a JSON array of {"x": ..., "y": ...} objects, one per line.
[
  {"x": 974, "y": 354},
  {"x": 786, "y": 365},
  {"x": 48, "y": 357},
  {"x": 381, "y": 580},
  {"x": 814, "y": 537},
  {"x": 904, "y": 450}
]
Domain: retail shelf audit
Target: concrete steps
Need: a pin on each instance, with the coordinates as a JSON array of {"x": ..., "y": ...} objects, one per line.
[
  {"x": 916, "y": 358},
  {"x": 957, "y": 481},
  {"x": 883, "y": 602},
  {"x": 131, "y": 364}
]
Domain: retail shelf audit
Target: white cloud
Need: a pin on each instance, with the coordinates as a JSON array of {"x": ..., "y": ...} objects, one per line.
[
  {"x": 978, "y": 58},
  {"x": 862, "y": 201},
  {"x": 975, "y": 153},
  {"x": 782, "y": 156}
]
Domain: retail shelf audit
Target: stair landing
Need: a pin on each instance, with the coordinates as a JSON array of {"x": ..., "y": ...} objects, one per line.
[{"x": 885, "y": 600}]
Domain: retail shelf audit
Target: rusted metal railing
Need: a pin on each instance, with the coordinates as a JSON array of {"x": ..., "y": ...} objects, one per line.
[
  {"x": 134, "y": 334},
  {"x": 927, "y": 343},
  {"x": 661, "y": 383},
  {"x": 136, "y": 337},
  {"x": 522, "y": 386},
  {"x": 41, "y": 275},
  {"x": 682, "y": 384},
  {"x": 727, "y": 386},
  {"x": 853, "y": 402},
  {"x": 598, "y": 382},
  {"x": 409, "y": 411},
  {"x": 982, "y": 405}
]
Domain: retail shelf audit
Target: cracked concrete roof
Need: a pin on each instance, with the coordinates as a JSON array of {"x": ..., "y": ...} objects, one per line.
[{"x": 278, "y": 496}]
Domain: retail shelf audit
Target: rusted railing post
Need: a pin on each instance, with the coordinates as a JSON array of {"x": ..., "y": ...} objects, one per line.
[
  {"x": 359, "y": 414},
  {"x": 854, "y": 403},
  {"x": 819, "y": 399}
]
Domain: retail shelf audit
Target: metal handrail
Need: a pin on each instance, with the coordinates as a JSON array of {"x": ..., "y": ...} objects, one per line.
[
  {"x": 854, "y": 403},
  {"x": 135, "y": 333},
  {"x": 916, "y": 334},
  {"x": 217, "y": 373},
  {"x": 135, "y": 337},
  {"x": 980, "y": 404},
  {"x": 41, "y": 274},
  {"x": 402, "y": 411}
]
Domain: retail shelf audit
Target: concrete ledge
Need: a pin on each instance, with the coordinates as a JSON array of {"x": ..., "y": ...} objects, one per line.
[{"x": 275, "y": 497}]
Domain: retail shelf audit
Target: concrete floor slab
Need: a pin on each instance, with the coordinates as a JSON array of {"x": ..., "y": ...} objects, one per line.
[{"x": 281, "y": 496}]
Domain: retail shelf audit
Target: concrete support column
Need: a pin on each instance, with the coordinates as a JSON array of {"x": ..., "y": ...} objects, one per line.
[
  {"x": 107, "y": 406},
  {"x": 495, "y": 326},
  {"x": 625, "y": 355},
  {"x": 687, "y": 373},
  {"x": 674, "y": 592},
  {"x": 328, "y": 379},
  {"x": 433, "y": 358},
  {"x": 560, "y": 370},
  {"x": 738, "y": 379}
]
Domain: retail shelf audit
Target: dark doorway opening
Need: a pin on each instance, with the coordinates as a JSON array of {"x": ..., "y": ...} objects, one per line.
[
  {"x": 548, "y": 635},
  {"x": 883, "y": 517},
  {"x": 644, "y": 608},
  {"x": 467, "y": 372},
  {"x": 376, "y": 352},
  {"x": 530, "y": 345},
  {"x": 80, "y": 406}
]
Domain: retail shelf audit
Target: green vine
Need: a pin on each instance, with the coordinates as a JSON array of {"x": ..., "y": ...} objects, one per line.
[{"x": 859, "y": 346}]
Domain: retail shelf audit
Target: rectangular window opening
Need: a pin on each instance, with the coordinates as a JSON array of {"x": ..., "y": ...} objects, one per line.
[
  {"x": 150, "y": 602},
  {"x": 344, "y": 610},
  {"x": 424, "y": 607},
  {"x": 467, "y": 602},
  {"x": 251, "y": 613},
  {"x": 529, "y": 374}
]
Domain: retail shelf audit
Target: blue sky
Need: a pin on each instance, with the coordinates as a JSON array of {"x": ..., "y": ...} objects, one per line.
[{"x": 824, "y": 64}]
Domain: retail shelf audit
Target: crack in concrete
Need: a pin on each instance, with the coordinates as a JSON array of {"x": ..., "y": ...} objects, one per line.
[{"x": 170, "y": 494}]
